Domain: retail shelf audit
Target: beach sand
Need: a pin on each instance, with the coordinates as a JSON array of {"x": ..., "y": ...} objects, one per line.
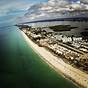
[{"x": 59, "y": 65}]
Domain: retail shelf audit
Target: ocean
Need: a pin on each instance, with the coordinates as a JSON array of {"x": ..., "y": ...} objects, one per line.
[{"x": 20, "y": 66}]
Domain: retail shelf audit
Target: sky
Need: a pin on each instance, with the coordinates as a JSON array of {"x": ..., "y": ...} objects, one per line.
[
  {"x": 10, "y": 6},
  {"x": 11, "y": 10},
  {"x": 17, "y": 7}
]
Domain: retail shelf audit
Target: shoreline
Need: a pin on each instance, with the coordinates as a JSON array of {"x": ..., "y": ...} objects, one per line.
[{"x": 77, "y": 76}]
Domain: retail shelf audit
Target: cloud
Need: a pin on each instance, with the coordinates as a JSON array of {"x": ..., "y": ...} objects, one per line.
[
  {"x": 56, "y": 8},
  {"x": 52, "y": 5}
]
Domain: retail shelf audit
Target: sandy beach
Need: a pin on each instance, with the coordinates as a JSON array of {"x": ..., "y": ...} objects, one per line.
[{"x": 59, "y": 65}]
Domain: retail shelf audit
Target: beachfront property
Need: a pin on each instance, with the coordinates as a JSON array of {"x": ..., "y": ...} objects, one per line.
[
  {"x": 63, "y": 39},
  {"x": 73, "y": 50}
]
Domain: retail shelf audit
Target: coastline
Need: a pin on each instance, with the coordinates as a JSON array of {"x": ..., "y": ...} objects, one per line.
[{"x": 74, "y": 74}]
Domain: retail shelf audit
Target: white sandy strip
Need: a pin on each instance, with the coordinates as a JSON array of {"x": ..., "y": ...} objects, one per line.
[{"x": 59, "y": 65}]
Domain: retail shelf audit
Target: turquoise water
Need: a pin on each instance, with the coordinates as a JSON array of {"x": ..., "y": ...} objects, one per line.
[{"x": 21, "y": 67}]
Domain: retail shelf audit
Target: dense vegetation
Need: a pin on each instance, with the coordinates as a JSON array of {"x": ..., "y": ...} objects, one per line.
[{"x": 58, "y": 28}]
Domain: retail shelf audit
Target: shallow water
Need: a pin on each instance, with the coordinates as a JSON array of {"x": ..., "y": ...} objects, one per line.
[{"x": 21, "y": 67}]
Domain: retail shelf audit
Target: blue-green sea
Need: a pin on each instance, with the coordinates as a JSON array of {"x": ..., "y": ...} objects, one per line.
[{"x": 20, "y": 66}]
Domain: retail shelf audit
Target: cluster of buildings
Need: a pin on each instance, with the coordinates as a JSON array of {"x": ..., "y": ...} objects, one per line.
[{"x": 73, "y": 50}]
